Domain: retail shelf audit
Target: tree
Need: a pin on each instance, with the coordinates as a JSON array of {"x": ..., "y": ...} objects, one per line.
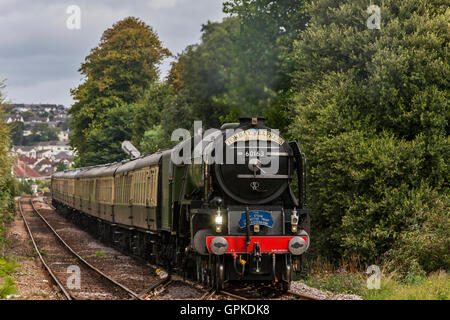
[
  {"x": 370, "y": 109},
  {"x": 148, "y": 110},
  {"x": 61, "y": 166},
  {"x": 259, "y": 79},
  {"x": 117, "y": 73},
  {"x": 104, "y": 144},
  {"x": 16, "y": 132},
  {"x": 43, "y": 132},
  {"x": 25, "y": 187},
  {"x": 201, "y": 73},
  {"x": 7, "y": 185},
  {"x": 27, "y": 115}
]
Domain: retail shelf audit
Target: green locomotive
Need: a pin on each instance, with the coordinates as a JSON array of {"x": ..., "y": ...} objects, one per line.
[{"x": 217, "y": 207}]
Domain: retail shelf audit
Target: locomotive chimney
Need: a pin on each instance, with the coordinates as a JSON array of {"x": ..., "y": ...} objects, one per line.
[{"x": 254, "y": 121}]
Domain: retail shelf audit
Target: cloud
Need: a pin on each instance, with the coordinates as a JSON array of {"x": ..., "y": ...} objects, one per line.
[
  {"x": 40, "y": 57},
  {"x": 163, "y": 4}
]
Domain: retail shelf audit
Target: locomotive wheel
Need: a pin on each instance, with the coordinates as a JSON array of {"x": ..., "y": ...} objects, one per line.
[
  {"x": 198, "y": 262},
  {"x": 287, "y": 276},
  {"x": 220, "y": 274}
]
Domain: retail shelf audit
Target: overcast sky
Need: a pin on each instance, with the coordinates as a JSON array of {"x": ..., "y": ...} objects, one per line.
[{"x": 40, "y": 56}]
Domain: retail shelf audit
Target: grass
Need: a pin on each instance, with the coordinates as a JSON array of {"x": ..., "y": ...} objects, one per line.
[
  {"x": 349, "y": 279},
  {"x": 7, "y": 267},
  {"x": 99, "y": 254},
  {"x": 436, "y": 286}
]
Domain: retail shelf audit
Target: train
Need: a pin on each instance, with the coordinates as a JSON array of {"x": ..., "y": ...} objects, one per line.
[{"x": 242, "y": 218}]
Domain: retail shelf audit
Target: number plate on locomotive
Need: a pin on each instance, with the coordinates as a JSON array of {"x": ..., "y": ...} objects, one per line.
[{"x": 263, "y": 218}]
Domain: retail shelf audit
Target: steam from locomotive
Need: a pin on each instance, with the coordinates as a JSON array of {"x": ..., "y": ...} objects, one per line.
[{"x": 217, "y": 207}]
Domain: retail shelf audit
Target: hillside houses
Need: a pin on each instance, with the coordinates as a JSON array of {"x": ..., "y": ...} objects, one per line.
[
  {"x": 32, "y": 125},
  {"x": 23, "y": 170},
  {"x": 13, "y": 118},
  {"x": 43, "y": 157},
  {"x": 33, "y": 114}
]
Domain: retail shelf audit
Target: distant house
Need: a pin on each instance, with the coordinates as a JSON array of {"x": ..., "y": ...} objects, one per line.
[
  {"x": 64, "y": 157},
  {"x": 23, "y": 170},
  {"x": 35, "y": 120},
  {"x": 29, "y": 161},
  {"x": 44, "y": 154},
  {"x": 14, "y": 118},
  {"x": 55, "y": 146},
  {"x": 45, "y": 166},
  {"x": 50, "y": 149},
  {"x": 28, "y": 151},
  {"x": 63, "y": 136}
]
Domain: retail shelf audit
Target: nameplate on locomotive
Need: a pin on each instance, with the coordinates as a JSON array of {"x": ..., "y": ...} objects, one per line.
[
  {"x": 255, "y": 134},
  {"x": 263, "y": 218}
]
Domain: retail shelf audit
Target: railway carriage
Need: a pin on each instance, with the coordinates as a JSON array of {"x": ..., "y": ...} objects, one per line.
[{"x": 214, "y": 221}]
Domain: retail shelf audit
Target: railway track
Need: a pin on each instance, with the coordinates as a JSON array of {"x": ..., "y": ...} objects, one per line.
[
  {"x": 174, "y": 287},
  {"x": 289, "y": 295},
  {"x": 62, "y": 263},
  {"x": 252, "y": 291}
]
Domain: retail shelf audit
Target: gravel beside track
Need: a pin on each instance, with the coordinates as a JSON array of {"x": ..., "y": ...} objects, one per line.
[{"x": 60, "y": 260}]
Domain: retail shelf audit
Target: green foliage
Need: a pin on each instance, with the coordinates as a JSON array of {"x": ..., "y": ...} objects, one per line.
[
  {"x": 39, "y": 133},
  {"x": 117, "y": 73},
  {"x": 104, "y": 144},
  {"x": 371, "y": 112},
  {"x": 7, "y": 267},
  {"x": 42, "y": 132},
  {"x": 61, "y": 166},
  {"x": 260, "y": 75},
  {"x": 7, "y": 186},
  {"x": 25, "y": 187},
  {"x": 425, "y": 245},
  {"x": 240, "y": 66},
  {"x": 436, "y": 286},
  {"x": 43, "y": 185},
  {"x": 149, "y": 110},
  {"x": 27, "y": 115},
  {"x": 201, "y": 73},
  {"x": 7, "y": 287},
  {"x": 155, "y": 140},
  {"x": 16, "y": 129},
  {"x": 99, "y": 254}
]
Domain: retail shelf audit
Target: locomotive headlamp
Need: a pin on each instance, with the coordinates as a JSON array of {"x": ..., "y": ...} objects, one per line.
[
  {"x": 294, "y": 220},
  {"x": 219, "y": 220}
]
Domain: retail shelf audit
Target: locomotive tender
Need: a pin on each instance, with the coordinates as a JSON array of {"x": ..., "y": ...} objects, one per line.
[{"x": 207, "y": 217}]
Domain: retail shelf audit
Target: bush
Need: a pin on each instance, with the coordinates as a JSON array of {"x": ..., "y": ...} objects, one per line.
[
  {"x": 7, "y": 183},
  {"x": 7, "y": 267},
  {"x": 25, "y": 187},
  {"x": 371, "y": 114},
  {"x": 425, "y": 245}
]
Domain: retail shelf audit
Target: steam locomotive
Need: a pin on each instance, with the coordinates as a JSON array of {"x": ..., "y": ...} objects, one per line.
[{"x": 217, "y": 207}]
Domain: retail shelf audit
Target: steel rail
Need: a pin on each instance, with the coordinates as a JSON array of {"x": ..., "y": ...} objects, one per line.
[
  {"x": 49, "y": 270},
  {"x": 153, "y": 287},
  {"x": 130, "y": 292},
  {"x": 208, "y": 294},
  {"x": 233, "y": 295}
]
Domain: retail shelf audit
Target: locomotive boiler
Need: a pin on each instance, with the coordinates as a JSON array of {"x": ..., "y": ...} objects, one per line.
[{"x": 218, "y": 207}]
